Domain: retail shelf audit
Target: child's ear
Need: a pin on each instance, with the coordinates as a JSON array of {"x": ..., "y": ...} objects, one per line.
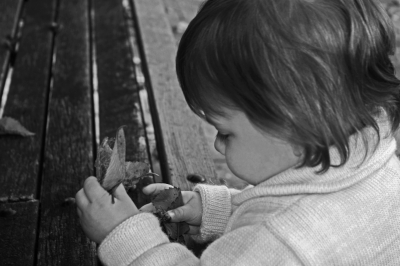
[{"x": 297, "y": 150}]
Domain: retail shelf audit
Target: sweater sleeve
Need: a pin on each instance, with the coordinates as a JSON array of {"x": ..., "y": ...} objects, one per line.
[
  {"x": 140, "y": 241},
  {"x": 133, "y": 240},
  {"x": 217, "y": 209}
]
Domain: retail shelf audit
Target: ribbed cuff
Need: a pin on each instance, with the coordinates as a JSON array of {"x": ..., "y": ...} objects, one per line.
[
  {"x": 216, "y": 202},
  {"x": 131, "y": 239}
]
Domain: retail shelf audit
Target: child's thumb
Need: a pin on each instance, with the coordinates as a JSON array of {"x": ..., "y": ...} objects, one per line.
[
  {"x": 120, "y": 192},
  {"x": 179, "y": 214}
]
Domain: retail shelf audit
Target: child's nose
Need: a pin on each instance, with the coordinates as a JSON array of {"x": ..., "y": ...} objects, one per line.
[{"x": 219, "y": 146}]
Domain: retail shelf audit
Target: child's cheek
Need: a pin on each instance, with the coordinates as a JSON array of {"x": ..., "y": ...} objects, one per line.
[
  {"x": 217, "y": 146},
  {"x": 235, "y": 161}
]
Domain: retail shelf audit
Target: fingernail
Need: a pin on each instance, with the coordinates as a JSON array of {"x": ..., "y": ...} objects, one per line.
[{"x": 171, "y": 214}]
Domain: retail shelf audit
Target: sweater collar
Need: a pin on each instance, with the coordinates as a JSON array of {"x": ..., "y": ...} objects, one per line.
[{"x": 364, "y": 159}]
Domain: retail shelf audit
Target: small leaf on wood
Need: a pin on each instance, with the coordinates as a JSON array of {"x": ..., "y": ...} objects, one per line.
[{"x": 10, "y": 126}]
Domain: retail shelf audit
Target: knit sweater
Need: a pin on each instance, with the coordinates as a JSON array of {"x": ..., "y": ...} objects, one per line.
[{"x": 349, "y": 215}]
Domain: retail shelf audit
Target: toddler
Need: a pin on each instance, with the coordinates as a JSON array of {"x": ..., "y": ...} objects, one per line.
[{"x": 306, "y": 102}]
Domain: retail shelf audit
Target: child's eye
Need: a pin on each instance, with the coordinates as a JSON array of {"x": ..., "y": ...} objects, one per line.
[{"x": 222, "y": 137}]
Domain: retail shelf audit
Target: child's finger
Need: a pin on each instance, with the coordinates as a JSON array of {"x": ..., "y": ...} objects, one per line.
[
  {"x": 193, "y": 230},
  {"x": 180, "y": 214},
  {"x": 154, "y": 189},
  {"x": 186, "y": 196},
  {"x": 81, "y": 199},
  {"x": 93, "y": 189},
  {"x": 120, "y": 192},
  {"x": 79, "y": 212},
  {"x": 148, "y": 208}
]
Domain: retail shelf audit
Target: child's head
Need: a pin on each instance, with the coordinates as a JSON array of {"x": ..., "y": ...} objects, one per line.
[{"x": 310, "y": 72}]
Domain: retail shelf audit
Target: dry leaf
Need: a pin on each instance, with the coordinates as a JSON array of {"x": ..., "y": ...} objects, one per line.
[
  {"x": 103, "y": 159},
  {"x": 111, "y": 168},
  {"x": 10, "y": 126},
  {"x": 115, "y": 173},
  {"x": 166, "y": 200},
  {"x": 134, "y": 172}
]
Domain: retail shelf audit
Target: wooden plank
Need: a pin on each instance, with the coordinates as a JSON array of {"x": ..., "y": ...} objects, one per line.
[
  {"x": 18, "y": 233},
  {"x": 26, "y": 102},
  {"x": 189, "y": 8},
  {"x": 20, "y": 157},
  {"x": 119, "y": 101},
  {"x": 69, "y": 143},
  {"x": 9, "y": 16},
  {"x": 174, "y": 13},
  {"x": 181, "y": 10},
  {"x": 185, "y": 148},
  {"x": 180, "y": 13}
]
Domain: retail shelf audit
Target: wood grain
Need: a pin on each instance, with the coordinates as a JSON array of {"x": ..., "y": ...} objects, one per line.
[
  {"x": 20, "y": 157},
  {"x": 180, "y": 13},
  {"x": 18, "y": 233},
  {"x": 119, "y": 101},
  {"x": 27, "y": 100},
  {"x": 181, "y": 143},
  {"x": 9, "y": 16},
  {"x": 69, "y": 142}
]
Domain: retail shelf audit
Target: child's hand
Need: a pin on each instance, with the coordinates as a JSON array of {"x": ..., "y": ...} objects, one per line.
[
  {"x": 97, "y": 214},
  {"x": 191, "y": 212}
]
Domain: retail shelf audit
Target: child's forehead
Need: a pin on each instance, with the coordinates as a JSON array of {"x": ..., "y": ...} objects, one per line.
[
  {"x": 212, "y": 120},
  {"x": 225, "y": 115}
]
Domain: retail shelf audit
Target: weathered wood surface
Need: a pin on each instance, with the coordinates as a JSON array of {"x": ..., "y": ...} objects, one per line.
[
  {"x": 180, "y": 139},
  {"x": 18, "y": 233},
  {"x": 26, "y": 102},
  {"x": 180, "y": 13},
  {"x": 68, "y": 156},
  {"x": 119, "y": 101},
  {"x": 51, "y": 94},
  {"x": 21, "y": 157},
  {"x": 9, "y": 16}
]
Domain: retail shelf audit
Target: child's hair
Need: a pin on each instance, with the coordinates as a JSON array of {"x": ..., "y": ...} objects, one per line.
[{"x": 311, "y": 72}]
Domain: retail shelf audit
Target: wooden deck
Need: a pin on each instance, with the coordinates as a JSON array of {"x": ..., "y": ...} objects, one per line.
[{"x": 62, "y": 62}]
